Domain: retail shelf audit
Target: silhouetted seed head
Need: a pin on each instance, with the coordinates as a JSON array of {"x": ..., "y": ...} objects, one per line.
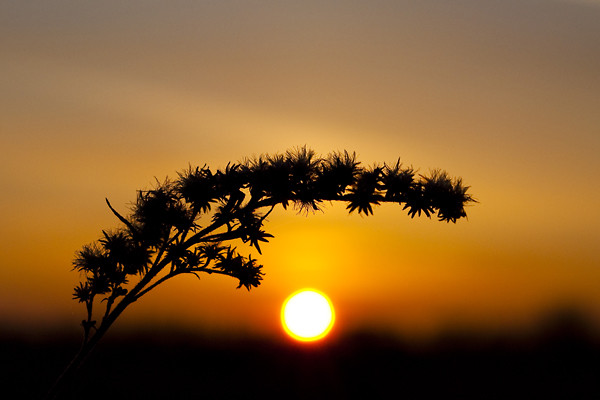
[
  {"x": 397, "y": 181},
  {"x": 82, "y": 292},
  {"x": 366, "y": 191},
  {"x": 197, "y": 188}
]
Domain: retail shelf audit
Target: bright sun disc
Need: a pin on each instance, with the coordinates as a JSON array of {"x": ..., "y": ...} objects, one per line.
[{"x": 307, "y": 315}]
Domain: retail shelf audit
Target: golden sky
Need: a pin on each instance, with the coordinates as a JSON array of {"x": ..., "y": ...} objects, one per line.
[{"x": 98, "y": 99}]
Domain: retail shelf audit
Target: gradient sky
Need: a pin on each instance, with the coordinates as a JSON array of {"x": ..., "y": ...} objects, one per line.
[{"x": 98, "y": 98}]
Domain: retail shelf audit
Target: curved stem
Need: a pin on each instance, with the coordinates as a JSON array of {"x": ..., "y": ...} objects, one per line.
[
  {"x": 90, "y": 342},
  {"x": 85, "y": 350}
]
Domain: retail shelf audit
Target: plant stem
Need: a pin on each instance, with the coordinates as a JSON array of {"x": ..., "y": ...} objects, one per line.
[
  {"x": 85, "y": 350},
  {"x": 88, "y": 345}
]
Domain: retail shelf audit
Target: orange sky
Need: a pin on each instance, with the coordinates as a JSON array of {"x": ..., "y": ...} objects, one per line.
[{"x": 97, "y": 100}]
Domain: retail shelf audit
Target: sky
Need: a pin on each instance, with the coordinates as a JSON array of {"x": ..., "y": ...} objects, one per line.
[{"x": 97, "y": 99}]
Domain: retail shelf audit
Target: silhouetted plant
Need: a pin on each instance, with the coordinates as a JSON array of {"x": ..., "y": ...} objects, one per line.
[{"x": 189, "y": 225}]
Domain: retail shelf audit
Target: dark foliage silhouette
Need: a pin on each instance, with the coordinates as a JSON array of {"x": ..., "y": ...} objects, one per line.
[{"x": 190, "y": 225}]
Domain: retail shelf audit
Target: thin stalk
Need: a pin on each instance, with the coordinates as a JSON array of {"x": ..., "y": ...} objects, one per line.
[
  {"x": 89, "y": 343},
  {"x": 85, "y": 350}
]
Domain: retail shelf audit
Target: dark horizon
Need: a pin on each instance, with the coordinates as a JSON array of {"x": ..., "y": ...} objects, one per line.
[
  {"x": 559, "y": 363},
  {"x": 559, "y": 359}
]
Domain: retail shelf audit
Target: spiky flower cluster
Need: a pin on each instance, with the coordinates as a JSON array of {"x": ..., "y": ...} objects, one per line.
[{"x": 190, "y": 224}]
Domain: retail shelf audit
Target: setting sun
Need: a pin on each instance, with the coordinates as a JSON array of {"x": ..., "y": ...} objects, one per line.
[{"x": 307, "y": 315}]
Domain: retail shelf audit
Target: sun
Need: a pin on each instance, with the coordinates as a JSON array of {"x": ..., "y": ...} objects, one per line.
[{"x": 307, "y": 315}]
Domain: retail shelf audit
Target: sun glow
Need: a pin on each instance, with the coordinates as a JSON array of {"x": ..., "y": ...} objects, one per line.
[{"x": 307, "y": 315}]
